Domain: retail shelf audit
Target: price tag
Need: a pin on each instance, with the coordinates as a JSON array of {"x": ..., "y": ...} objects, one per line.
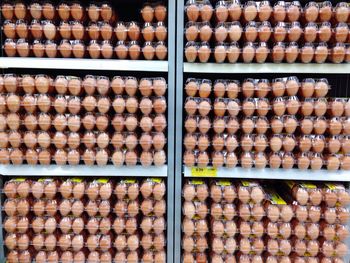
[{"x": 203, "y": 172}]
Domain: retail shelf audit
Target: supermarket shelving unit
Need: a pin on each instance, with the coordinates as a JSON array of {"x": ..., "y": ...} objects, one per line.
[
  {"x": 111, "y": 66},
  {"x": 205, "y": 69}
]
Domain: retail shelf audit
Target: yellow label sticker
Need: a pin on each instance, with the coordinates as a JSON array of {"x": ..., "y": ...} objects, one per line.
[
  {"x": 245, "y": 183},
  {"x": 20, "y": 179},
  {"x": 203, "y": 172},
  {"x": 197, "y": 182},
  {"x": 309, "y": 185},
  {"x": 156, "y": 180},
  {"x": 76, "y": 180},
  {"x": 130, "y": 181},
  {"x": 224, "y": 183},
  {"x": 277, "y": 199},
  {"x": 102, "y": 180},
  {"x": 41, "y": 180},
  {"x": 290, "y": 184},
  {"x": 331, "y": 186}
]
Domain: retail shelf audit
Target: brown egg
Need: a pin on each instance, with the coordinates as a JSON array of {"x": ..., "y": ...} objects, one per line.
[
  {"x": 148, "y": 32},
  {"x": 338, "y": 53},
  {"x": 148, "y": 51},
  {"x": 10, "y": 48},
  {"x": 161, "y": 51},
  {"x": 94, "y": 49},
  {"x": 325, "y": 32},
  {"x": 9, "y": 29},
  {"x": 278, "y": 52},
  {"x": 295, "y": 31},
  {"x": 280, "y": 32},
  {"x": 51, "y": 207},
  {"x": 204, "y": 53},
  {"x": 160, "y": 12},
  {"x": 342, "y": 12},
  {"x": 325, "y": 12},
  {"x": 248, "y": 53},
  {"x": 23, "y": 48},
  {"x": 251, "y": 32},
  {"x": 292, "y": 53}
]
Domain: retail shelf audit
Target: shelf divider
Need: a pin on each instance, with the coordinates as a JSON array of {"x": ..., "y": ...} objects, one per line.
[
  {"x": 275, "y": 174},
  {"x": 256, "y": 68},
  {"x": 84, "y": 64},
  {"x": 83, "y": 170}
]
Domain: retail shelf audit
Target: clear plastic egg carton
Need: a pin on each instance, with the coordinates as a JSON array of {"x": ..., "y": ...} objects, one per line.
[{"x": 76, "y": 86}]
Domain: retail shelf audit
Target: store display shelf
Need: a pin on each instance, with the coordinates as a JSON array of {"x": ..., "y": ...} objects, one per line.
[
  {"x": 84, "y": 64},
  {"x": 276, "y": 174},
  {"x": 327, "y": 68},
  {"x": 83, "y": 170}
]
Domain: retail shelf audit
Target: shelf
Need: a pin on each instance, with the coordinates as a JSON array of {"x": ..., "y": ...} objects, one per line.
[
  {"x": 83, "y": 170},
  {"x": 84, "y": 64},
  {"x": 278, "y": 174},
  {"x": 266, "y": 68}
]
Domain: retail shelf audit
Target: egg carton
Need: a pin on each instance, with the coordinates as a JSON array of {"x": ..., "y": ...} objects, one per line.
[
  {"x": 73, "y": 104},
  {"x": 153, "y": 11},
  {"x": 90, "y": 84},
  {"x": 264, "y": 11},
  {"x": 223, "y": 228},
  {"x": 90, "y": 121},
  {"x": 280, "y": 87},
  {"x": 263, "y": 32},
  {"x": 221, "y": 88},
  {"x": 76, "y": 225},
  {"x": 260, "y": 160},
  {"x": 261, "y": 52},
  {"x": 45, "y": 189},
  {"x": 90, "y": 139},
  {"x": 99, "y": 157},
  {"x": 192, "y": 227},
  {"x": 195, "y": 190}
]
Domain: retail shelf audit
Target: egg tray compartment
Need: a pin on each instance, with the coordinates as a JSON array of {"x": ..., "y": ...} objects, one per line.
[
  {"x": 258, "y": 88},
  {"x": 95, "y": 50},
  {"x": 90, "y": 139},
  {"x": 254, "y": 246},
  {"x": 47, "y": 188},
  {"x": 149, "y": 11},
  {"x": 76, "y": 85},
  {"x": 280, "y": 11},
  {"x": 260, "y": 143},
  {"x": 264, "y": 32},
  {"x": 92, "y": 242},
  {"x": 95, "y": 256},
  {"x": 278, "y": 160},
  {"x": 61, "y": 104},
  {"x": 284, "y": 124},
  {"x": 223, "y": 191},
  {"x": 78, "y": 11},
  {"x": 102, "y": 158},
  {"x": 278, "y": 54},
  {"x": 42, "y": 31},
  {"x": 93, "y": 225}
]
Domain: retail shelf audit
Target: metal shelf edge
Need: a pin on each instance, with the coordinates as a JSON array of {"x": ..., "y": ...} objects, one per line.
[
  {"x": 83, "y": 170},
  {"x": 278, "y": 174},
  {"x": 267, "y": 68},
  {"x": 84, "y": 64}
]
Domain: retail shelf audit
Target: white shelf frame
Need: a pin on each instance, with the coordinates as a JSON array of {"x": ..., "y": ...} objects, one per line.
[
  {"x": 277, "y": 174},
  {"x": 83, "y": 170},
  {"x": 255, "y": 68},
  {"x": 84, "y": 64}
]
